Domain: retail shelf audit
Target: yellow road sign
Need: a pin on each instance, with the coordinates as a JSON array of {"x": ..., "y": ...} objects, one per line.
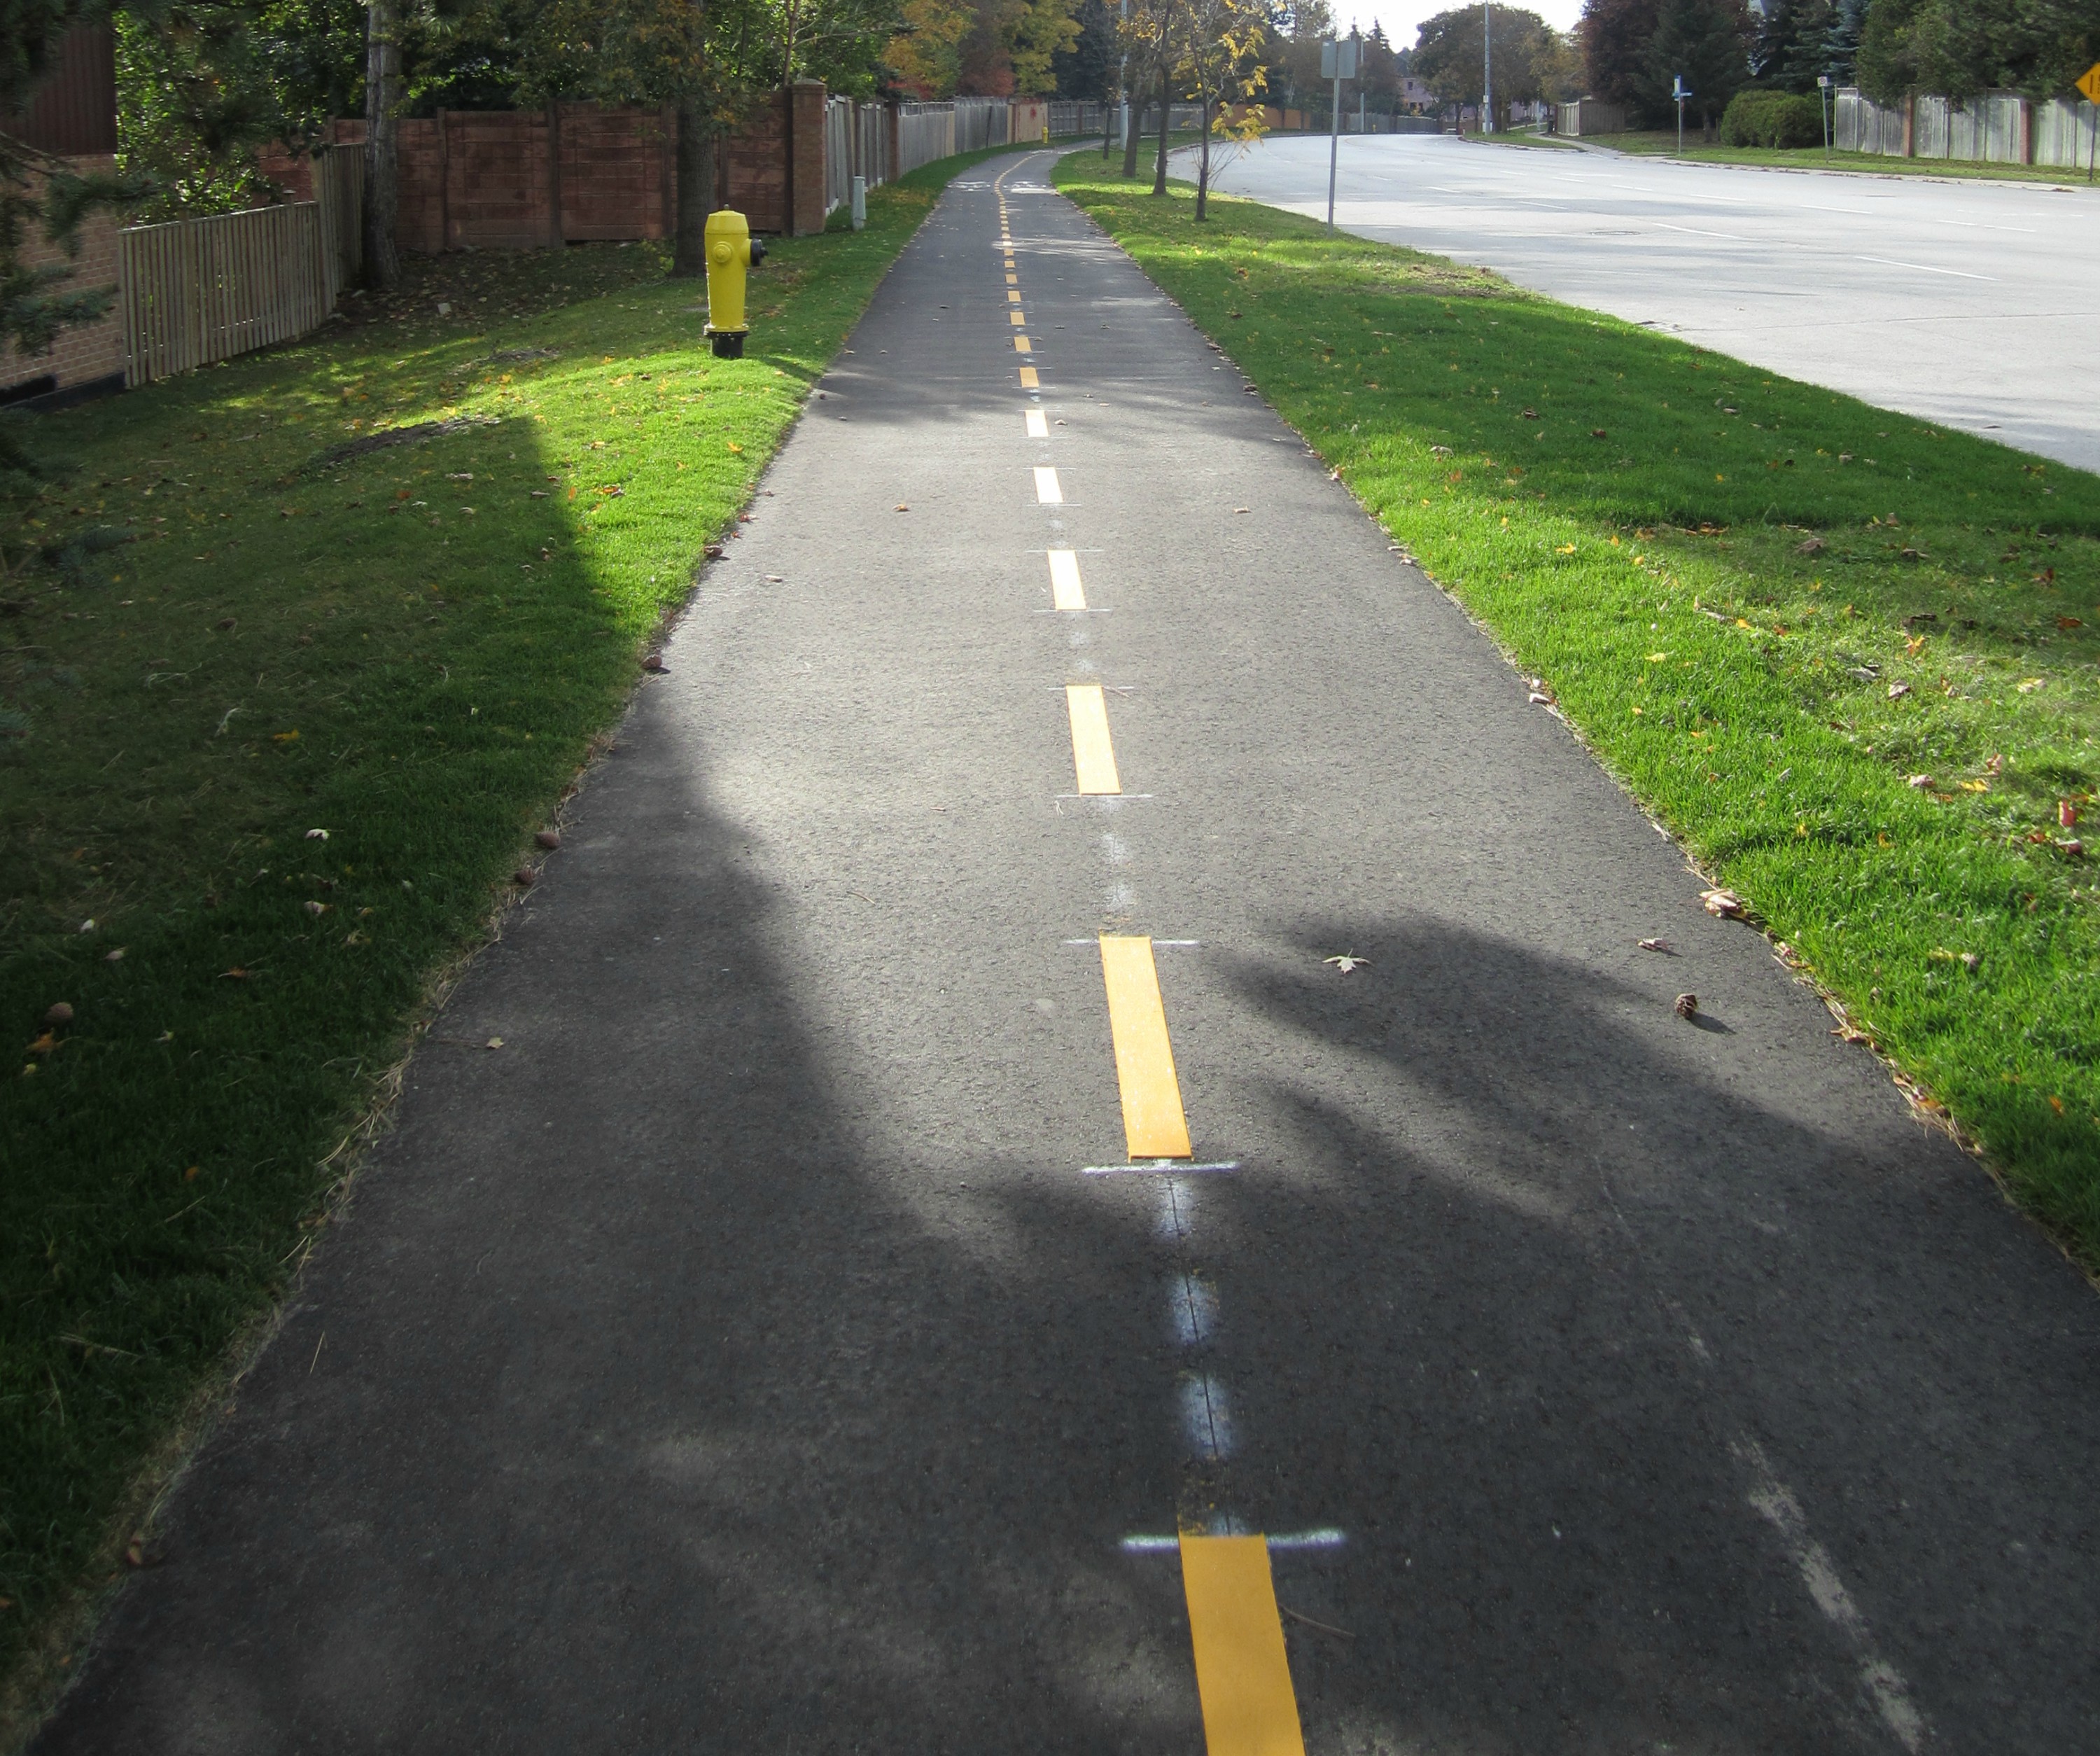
[{"x": 2088, "y": 82}]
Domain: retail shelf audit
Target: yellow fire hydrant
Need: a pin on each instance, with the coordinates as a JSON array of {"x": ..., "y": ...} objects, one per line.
[{"x": 731, "y": 250}]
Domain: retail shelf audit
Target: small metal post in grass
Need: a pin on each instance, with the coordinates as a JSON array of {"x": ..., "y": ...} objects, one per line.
[
  {"x": 1681, "y": 93},
  {"x": 1823, "y": 98}
]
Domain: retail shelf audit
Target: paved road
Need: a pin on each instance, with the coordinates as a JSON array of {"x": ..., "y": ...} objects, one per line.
[
  {"x": 744, "y": 1359},
  {"x": 1967, "y": 303}
]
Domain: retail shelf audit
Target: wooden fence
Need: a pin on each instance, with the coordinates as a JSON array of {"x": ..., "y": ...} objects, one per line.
[{"x": 197, "y": 290}]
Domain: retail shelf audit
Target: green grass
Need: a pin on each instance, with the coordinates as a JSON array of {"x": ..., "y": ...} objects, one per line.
[
  {"x": 1847, "y": 656},
  {"x": 1663, "y": 143},
  {"x": 412, "y": 651}
]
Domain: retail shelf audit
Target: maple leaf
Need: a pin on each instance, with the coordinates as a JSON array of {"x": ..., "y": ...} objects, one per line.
[{"x": 1348, "y": 962}]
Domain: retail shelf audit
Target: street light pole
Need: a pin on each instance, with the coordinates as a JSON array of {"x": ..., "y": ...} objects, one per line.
[{"x": 1486, "y": 67}]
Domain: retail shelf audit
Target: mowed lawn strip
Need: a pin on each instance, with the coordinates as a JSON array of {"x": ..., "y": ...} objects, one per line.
[
  {"x": 285, "y": 754},
  {"x": 1662, "y": 144},
  {"x": 1848, "y": 657}
]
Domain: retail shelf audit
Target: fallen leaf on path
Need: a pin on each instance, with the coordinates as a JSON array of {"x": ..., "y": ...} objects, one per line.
[
  {"x": 549, "y": 838},
  {"x": 1347, "y": 962},
  {"x": 494, "y": 1042},
  {"x": 655, "y": 662},
  {"x": 1662, "y": 946},
  {"x": 1724, "y": 903},
  {"x": 1687, "y": 1005},
  {"x": 524, "y": 876}
]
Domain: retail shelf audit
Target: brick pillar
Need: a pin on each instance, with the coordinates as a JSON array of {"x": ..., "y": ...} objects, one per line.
[
  {"x": 805, "y": 158},
  {"x": 444, "y": 182},
  {"x": 555, "y": 239},
  {"x": 667, "y": 131}
]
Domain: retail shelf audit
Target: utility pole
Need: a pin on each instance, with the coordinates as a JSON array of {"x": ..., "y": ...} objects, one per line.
[{"x": 1486, "y": 67}]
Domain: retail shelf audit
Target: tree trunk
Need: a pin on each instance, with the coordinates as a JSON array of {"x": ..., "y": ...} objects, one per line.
[
  {"x": 1203, "y": 165},
  {"x": 382, "y": 101},
  {"x": 696, "y": 191},
  {"x": 1166, "y": 116}
]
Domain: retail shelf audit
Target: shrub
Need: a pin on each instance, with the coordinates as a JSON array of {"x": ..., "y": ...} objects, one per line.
[{"x": 1771, "y": 119}]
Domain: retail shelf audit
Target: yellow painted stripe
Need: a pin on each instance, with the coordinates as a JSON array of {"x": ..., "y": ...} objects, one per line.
[
  {"x": 1029, "y": 380},
  {"x": 1039, "y": 424},
  {"x": 1013, "y": 298},
  {"x": 1152, "y": 1124},
  {"x": 1064, "y": 590},
  {"x": 1013, "y": 280},
  {"x": 1242, "y": 1672},
  {"x": 1021, "y": 344},
  {"x": 1093, "y": 756},
  {"x": 1016, "y": 318},
  {"x": 1048, "y": 492}
]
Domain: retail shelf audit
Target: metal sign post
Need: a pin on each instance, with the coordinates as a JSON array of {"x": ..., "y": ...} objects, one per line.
[
  {"x": 1823, "y": 98},
  {"x": 1680, "y": 91},
  {"x": 1338, "y": 62}
]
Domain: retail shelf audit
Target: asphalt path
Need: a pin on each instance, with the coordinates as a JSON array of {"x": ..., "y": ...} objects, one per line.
[
  {"x": 1964, "y": 302},
  {"x": 742, "y": 1358}
]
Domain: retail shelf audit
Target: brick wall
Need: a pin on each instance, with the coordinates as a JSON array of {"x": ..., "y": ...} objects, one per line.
[
  {"x": 494, "y": 179},
  {"x": 86, "y": 352}
]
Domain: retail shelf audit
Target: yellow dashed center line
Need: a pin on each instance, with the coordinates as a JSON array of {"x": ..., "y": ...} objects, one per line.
[
  {"x": 1093, "y": 756},
  {"x": 1016, "y": 318},
  {"x": 1152, "y": 1124},
  {"x": 1064, "y": 589},
  {"x": 1242, "y": 1671}
]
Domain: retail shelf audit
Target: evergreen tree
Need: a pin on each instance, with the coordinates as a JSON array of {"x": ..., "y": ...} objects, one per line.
[
  {"x": 1614, "y": 35},
  {"x": 1841, "y": 51},
  {"x": 1705, "y": 42}
]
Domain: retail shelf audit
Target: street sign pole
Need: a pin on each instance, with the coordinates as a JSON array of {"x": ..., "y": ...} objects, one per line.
[
  {"x": 1679, "y": 91},
  {"x": 1823, "y": 98},
  {"x": 1338, "y": 62}
]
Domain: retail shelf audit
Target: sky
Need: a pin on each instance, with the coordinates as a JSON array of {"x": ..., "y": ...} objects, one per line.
[{"x": 1403, "y": 18}]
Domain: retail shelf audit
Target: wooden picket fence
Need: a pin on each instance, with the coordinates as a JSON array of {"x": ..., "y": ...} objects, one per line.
[{"x": 198, "y": 290}]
